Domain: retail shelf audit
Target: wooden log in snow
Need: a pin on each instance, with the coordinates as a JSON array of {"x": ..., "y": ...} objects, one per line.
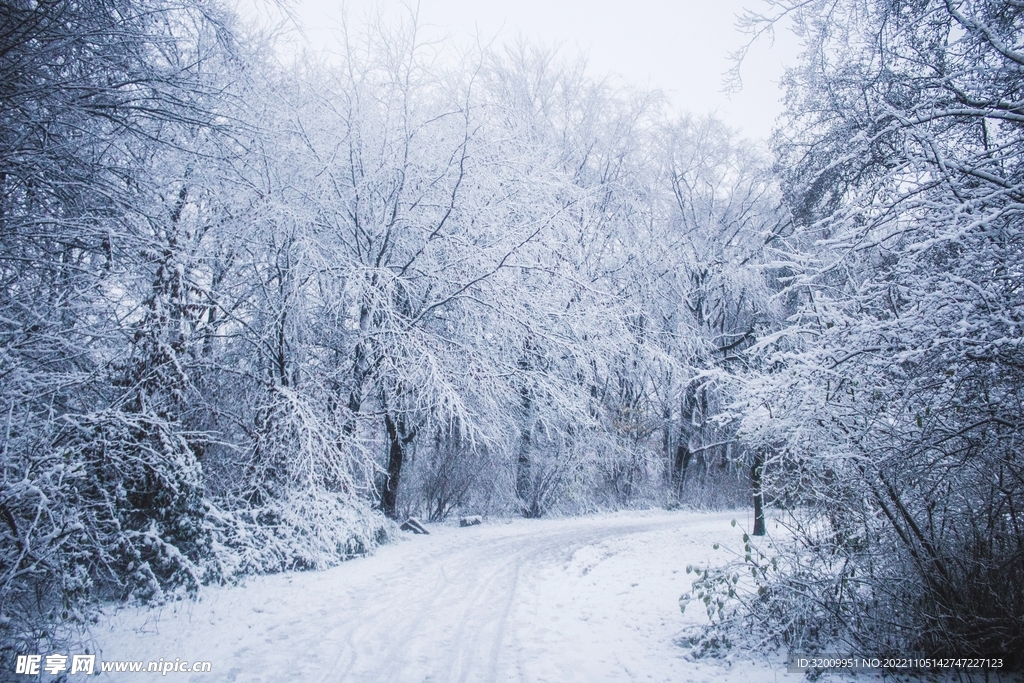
[{"x": 412, "y": 524}]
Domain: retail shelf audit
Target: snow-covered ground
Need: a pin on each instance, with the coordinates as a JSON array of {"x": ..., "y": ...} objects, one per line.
[{"x": 586, "y": 599}]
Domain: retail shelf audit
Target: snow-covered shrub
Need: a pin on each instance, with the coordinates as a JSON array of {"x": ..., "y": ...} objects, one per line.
[
  {"x": 776, "y": 593},
  {"x": 891, "y": 407},
  {"x": 110, "y": 509},
  {"x": 136, "y": 487},
  {"x": 100, "y": 491},
  {"x": 297, "y": 445},
  {"x": 300, "y": 530}
]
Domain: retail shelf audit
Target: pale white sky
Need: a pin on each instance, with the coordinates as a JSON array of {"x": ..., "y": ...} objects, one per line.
[{"x": 679, "y": 46}]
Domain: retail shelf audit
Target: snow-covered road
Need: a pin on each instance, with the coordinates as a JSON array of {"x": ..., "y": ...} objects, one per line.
[{"x": 587, "y": 599}]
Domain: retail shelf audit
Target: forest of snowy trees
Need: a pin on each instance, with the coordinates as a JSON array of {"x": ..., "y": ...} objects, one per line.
[{"x": 253, "y": 309}]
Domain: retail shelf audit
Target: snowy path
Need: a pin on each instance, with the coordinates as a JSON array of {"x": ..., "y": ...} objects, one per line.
[{"x": 588, "y": 599}]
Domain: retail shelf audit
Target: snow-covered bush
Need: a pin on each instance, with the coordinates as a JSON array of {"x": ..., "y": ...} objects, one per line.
[
  {"x": 111, "y": 510},
  {"x": 298, "y": 530},
  {"x": 890, "y": 409},
  {"x": 100, "y": 490}
]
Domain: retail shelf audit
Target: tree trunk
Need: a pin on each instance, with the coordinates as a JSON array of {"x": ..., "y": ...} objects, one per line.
[
  {"x": 524, "y": 488},
  {"x": 523, "y": 475},
  {"x": 755, "y": 477},
  {"x": 680, "y": 465},
  {"x": 397, "y": 440}
]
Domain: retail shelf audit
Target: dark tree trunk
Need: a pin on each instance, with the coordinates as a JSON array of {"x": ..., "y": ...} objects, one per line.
[
  {"x": 359, "y": 372},
  {"x": 755, "y": 477},
  {"x": 682, "y": 462},
  {"x": 398, "y": 439},
  {"x": 688, "y": 418}
]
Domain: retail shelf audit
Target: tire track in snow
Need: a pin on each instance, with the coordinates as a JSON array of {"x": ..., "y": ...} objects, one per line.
[
  {"x": 464, "y": 632},
  {"x": 495, "y": 603}
]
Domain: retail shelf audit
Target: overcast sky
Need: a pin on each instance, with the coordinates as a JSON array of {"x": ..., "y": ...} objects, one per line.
[{"x": 679, "y": 46}]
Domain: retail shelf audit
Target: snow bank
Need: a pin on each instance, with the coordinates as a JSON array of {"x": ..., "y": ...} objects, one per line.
[{"x": 302, "y": 530}]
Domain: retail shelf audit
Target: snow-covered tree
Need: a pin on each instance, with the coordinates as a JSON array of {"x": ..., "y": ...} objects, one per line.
[
  {"x": 712, "y": 286},
  {"x": 101, "y": 492},
  {"x": 892, "y": 407}
]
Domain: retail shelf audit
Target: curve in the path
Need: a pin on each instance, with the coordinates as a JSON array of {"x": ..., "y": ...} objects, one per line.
[{"x": 494, "y": 603}]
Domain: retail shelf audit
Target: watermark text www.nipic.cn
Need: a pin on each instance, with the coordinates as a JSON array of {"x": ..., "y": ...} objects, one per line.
[{"x": 55, "y": 664}]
